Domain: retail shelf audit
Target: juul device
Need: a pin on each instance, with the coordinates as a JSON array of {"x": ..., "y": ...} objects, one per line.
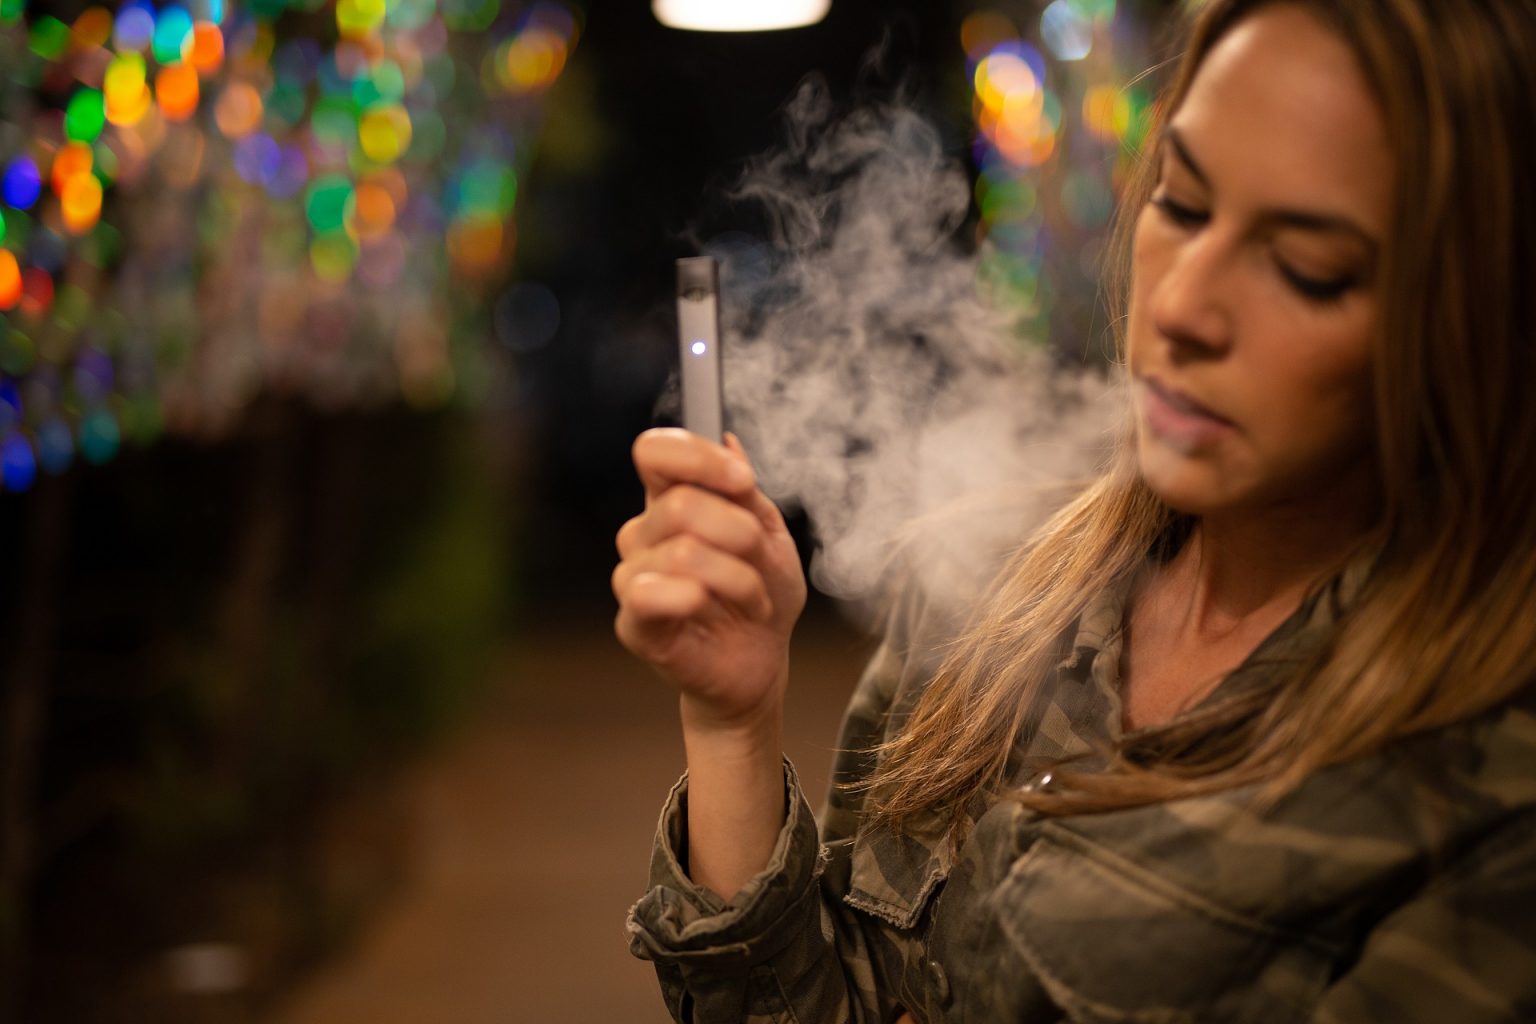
[{"x": 698, "y": 335}]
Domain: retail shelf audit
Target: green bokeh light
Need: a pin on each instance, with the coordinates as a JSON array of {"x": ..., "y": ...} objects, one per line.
[
  {"x": 326, "y": 203},
  {"x": 85, "y": 116},
  {"x": 48, "y": 37}
]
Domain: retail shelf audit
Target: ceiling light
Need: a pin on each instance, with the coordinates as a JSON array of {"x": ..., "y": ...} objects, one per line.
[{"x": 739, "y": 15}]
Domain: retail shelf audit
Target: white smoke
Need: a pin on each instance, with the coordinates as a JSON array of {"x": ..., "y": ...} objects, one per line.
[{"x": 869, "y": 378}]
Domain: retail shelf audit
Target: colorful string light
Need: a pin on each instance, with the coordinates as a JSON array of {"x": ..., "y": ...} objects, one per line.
[
  {"x": 201, "y": 209},
  {"x": 1058, "y": 123}
]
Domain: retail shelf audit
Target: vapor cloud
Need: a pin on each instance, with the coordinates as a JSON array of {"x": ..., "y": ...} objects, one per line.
[{"x": 872, "y": 382}]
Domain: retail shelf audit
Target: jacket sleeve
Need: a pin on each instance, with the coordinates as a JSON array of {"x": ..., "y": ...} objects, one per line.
[
  {"x": 1464, "y": 950},
  {"x": 787, "y": 947},
  {"x": 784, "y": 949}
]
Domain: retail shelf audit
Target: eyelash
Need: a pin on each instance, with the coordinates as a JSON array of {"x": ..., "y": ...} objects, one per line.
[{"x": 1321, "y": 293}]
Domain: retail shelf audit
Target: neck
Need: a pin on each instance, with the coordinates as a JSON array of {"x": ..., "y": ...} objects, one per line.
[{"x": 1258, "y": 564}]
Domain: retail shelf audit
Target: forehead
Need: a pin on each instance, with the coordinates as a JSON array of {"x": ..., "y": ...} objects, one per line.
[{"x": 1280, "y": 105}]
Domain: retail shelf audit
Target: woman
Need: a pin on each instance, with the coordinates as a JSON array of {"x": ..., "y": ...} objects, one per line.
[{"x": 1247, "y": 731}]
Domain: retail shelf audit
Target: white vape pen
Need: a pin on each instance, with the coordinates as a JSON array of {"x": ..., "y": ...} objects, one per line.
[{"x": 698, "y": 335}]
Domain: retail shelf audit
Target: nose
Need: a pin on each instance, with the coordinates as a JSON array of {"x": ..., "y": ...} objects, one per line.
[{"x": 1189, "y": 304}]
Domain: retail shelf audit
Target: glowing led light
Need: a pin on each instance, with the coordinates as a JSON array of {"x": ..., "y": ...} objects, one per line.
[
  {"x": 135, "y": 26},
  {"x": 48, "y": 37},
  {"x": 1106, "y": 112},
  {"x": 18, "y": 467},
  {"x": 238, "y": 111},
  {"x": 372, "y": 211},
  {"x": 80, "y": 203},
  {"x": 474, "y": 242},
  {"x": 698, "y": 348},
  {"x": 739, "y": 15},
  {"x": 1066, "y": 31},
  {"x": 207, "y": 52},
  {"x": 258, "y": 159},
  {"x": 85, "y": 116},
  {"x": 127, "y": 95},
  {"x": 359, "y": 17},
  {"x": 172, "y": 40},
  {"x": 91, "y": 29},
  {"x": 982, "y": 31},
  {"x": 176, "y": 91},
  {"x": 10, "y": 280},
  {"x": 384, "y": 133},
  {"x": 532, "y": 61},
  {"x": 73, "y": 158},
  {"x": 326, "y": 203},
  {"x": 1002, "y": 74},
  {"x": 488, "y": 187},
  {"x": 11, "y": 11},
  {"x": 22, "y": 183}
]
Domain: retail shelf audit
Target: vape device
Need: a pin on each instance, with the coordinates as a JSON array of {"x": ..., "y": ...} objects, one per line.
[{"x": 698, "y": 335}]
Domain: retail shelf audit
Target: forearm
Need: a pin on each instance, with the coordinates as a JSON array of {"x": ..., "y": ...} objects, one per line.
[{"x": 735, "y": 797}]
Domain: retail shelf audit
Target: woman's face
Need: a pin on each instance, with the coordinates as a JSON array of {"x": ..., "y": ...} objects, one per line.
[{"x": 1254, "y": 295}]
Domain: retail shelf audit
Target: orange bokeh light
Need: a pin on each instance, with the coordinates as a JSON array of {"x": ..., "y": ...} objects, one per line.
[
  {"x": 373, "y": 211},
  {"x": 176, "y": 91},
  {"x": 91, "y": 29},
  {"x": 207, "y": 48},
  {"x": 10, "y": 280},
  {"x": 80, "y": 203},
  {"x": 238, "y": 111},
  {"x": 474, "y": 243},
  {"x": 73, "y": 158}
]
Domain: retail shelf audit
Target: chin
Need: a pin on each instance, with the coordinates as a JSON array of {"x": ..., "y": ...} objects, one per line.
[{"x": 1184, "y": 483}]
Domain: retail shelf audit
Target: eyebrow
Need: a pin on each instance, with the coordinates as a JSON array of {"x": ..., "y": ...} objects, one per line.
[{"x": 1308, "y": 220}]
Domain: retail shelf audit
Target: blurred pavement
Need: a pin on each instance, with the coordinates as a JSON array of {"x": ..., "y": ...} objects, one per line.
[{"x": 530, "y": 833}]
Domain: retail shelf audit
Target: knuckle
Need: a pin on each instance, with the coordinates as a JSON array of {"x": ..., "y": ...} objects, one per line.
[
  {"x": 624, "y": 538},
  {"x": 686, "y": 552},
  {"x": 680, "y": 506}
]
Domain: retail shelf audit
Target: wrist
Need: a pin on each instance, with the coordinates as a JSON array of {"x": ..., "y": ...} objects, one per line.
[
  {"x": 755, "y": 732},
  {"x": 746, "y": 726}
]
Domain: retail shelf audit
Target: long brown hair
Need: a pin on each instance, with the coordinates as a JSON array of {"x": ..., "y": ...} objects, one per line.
[{"x": 1442, "y": 628}]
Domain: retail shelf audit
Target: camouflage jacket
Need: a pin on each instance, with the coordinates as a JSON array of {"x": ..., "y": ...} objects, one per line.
[{"x": 1364, "y": 896}]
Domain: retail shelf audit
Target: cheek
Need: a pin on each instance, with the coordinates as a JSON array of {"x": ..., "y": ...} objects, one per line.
[{"x": 1320, "y": 400}]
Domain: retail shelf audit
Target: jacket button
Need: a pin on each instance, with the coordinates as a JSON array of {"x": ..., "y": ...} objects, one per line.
[
  {"x": 938, "y": 982},
  {"x": 1039, "y": 782}
]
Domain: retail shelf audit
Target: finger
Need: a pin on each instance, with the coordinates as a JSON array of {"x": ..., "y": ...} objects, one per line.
[
  {"x": 654, "y": 605},
  {"x": 665, "y": 456},
  {"x": 729, "y": 579},
  {"x": 685, "y": 509}
]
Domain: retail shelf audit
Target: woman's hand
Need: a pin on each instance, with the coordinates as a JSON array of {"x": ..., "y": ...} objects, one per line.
[{"x": 709, "y": 582}]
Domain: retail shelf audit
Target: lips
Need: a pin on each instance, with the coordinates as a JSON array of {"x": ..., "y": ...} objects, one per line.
[{"x": 1178, "y": 419}]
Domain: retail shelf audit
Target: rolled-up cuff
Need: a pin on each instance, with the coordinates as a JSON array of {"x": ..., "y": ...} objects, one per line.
[{"x": 678, "y": 922}]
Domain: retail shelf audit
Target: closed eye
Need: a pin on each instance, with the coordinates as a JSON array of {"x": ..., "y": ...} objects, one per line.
[
  {"x": 1178, "y": 213},
  {"x": 1319, "y": 290}
]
